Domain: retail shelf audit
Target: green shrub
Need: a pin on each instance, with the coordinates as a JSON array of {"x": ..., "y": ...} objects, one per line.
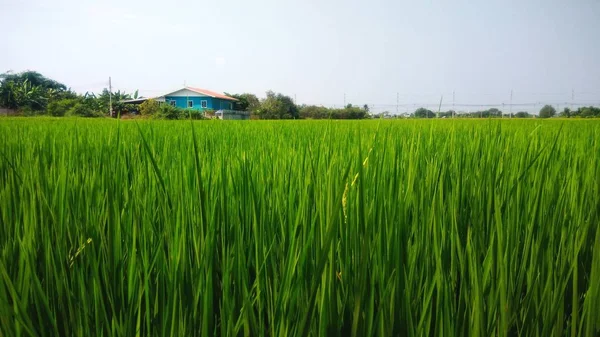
[
  {"x": 196, "y": 114},
  {"x": 149, "y": 108},
  {"x": 167, "y": 111},
  {"x": 61, "y": 107},
  {"x": 83, "y": 110},
  {"x": 28, "y": 111}
]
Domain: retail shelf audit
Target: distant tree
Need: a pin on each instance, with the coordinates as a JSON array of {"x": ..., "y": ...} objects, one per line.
[
  {"x": 30, "y": 90},
  {"x": 424, "y": 113},
  {"x": 314, "y": 112},
  {"x": 522, "y": 114},
  {"x": 320, "y": 112},
  {"x": 588, "y": 112},
  {"x": 119, "y": 108},
  {"x": 547, "y": 111},
  {"x": 246, "y": 102},
  {"x": 35, "y": 79},
  {"x": 447, "y": 114},
  {"x": 493, "y": 112},
  {"x": 277, "y": 106},
  {"x": 366, "y": 107},
  {"x": 81, "y": 106},
  {"x": 565, "y": 113}
]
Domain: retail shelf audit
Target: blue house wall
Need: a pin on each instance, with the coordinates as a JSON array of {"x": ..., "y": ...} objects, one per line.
[{"x": 211, "y": 102}]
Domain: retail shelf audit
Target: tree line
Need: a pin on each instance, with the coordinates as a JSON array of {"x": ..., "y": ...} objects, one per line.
[
  {"x": 31, "y": 93},
  {"x": 547, "y": 111}
]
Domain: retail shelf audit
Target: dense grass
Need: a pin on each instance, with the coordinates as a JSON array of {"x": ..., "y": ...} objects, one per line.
[{"x": 405, "y": 228}]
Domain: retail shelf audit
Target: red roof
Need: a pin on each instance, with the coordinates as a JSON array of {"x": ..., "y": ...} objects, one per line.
[{"x": 211, "y": 93}]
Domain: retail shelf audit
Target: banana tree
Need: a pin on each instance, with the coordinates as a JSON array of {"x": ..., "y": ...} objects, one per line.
[{"x": 27, "y": 95}]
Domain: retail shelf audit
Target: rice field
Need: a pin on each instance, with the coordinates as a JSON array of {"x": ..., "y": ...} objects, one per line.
[{"x": 299, "y": 228}]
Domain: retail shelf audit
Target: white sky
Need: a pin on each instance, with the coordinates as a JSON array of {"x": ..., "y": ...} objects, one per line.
[{"x": 316, "y": 50}]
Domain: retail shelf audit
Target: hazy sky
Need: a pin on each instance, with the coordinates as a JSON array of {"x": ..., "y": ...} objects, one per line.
[{"x": 316, "y": 50}]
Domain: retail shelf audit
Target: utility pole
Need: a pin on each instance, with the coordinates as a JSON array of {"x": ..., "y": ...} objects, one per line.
[
  {"x": 453, "y": 111},
  {"x": 344, "y": 100},
  {"x": 397, "y": 102},
  {"x": 572, "y": 98},
  {"x": 110, "y": 96},
  {"x": 511, "y": 92},
  {"x": 440, "y": 107}
]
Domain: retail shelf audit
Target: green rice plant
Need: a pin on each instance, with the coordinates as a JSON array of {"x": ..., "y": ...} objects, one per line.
[{"x": 299, "y": 228}]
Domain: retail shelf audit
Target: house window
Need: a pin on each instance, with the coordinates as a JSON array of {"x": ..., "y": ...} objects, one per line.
[
  {"x": 204, "y": 104},
  {"x": 190, "y": 104},
  {"x": 230, "y": 106},
  {"x": 173, "y": 103}
]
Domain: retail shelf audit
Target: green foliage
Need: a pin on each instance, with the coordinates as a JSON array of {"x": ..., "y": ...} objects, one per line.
[
  {"x": 318, "y": 112},
  {"x": 83, "y": 110},
  {"x": 149, "y": 108},
  {"x": 82, "y": 107},
  {"x": 565, "y": 113},
  {"x": 523, "y": 114},
  {"x": 31, "y": 91},
  {"x": 583, "y": 112},
  {"x": 447, "y": 114},
  {"x": 547, "y": 111},
  {"x": 119, "y": 108},
  {"x": 310, "y": 228},
  {"x": 587, "y": 112},
  {"x": 61, "y": 107},
  {"x": 424, "y": 113},
  {"x": 277, "y": 106},
  {"x": 34, "y": 78},
  {"x": 167, "y": 111},
  {"x": 246, "y": 102},
  {"x": 489, "y": 113}
]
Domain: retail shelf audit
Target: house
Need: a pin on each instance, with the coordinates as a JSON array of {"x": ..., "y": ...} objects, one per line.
[
  {"x": 201, "y": 100},
  {"x": 198, "y": 99}
]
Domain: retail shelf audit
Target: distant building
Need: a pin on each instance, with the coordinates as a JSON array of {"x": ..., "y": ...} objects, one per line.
[
  {"x": 201, "y": 100},
  {"x": 198, "y": 99}
]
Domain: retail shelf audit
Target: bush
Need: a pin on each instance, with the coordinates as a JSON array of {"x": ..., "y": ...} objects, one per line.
[
  {"x": 81, "y": 107},
  {"x": 61, "y": 107},
  {"x": 149, "y": 108},
  {"x": 83, "y": 110},
  {"x": 195, "y": 114},
  {"x": 28, "y": 111},
  {"x": 167, "y": 111}
]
